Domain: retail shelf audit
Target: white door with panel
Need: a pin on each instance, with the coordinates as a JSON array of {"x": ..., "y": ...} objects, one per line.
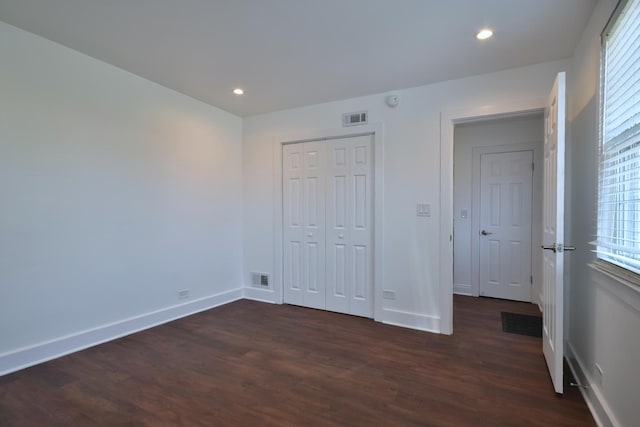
[
  {"x": 505, "y": 221},
  {"x": 553, "y": 233},
  {"x": 350, "y": 226},
  {"x": 304, "y": 176},
  {"x": 328, "y": 224}
]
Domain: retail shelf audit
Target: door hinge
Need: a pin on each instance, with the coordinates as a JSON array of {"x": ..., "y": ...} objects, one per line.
[
  {"x": 533, "y": 166},
  {"x": 531, "y": 279}
]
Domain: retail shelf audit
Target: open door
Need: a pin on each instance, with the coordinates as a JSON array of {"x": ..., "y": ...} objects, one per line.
[{"x": 553, "y": 232}]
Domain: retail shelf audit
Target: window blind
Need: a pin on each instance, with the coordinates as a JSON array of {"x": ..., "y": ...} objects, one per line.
[{"x": 618, "y": 239}]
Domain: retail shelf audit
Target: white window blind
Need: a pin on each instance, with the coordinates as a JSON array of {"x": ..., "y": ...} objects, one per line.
[{"x": 618, "y": 239}]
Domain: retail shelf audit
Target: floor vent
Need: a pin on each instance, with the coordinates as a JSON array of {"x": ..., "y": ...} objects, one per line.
[
  {"x": 355, "y": 119},
  {"x": 260, "y": 280}
]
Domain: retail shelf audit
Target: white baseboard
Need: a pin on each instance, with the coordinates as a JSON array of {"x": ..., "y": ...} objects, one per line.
[
  {"x": 406, "y": 319},
  {"x": 540, "y": 301},
  {"x": 261, "y": 295},
  {"x": 39, "y": 353},
  {"x": 592, "y": 394},
  {"x": 462, "y": 289}
]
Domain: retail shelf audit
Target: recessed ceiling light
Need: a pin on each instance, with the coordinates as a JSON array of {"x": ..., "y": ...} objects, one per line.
[
  {"x": 484, "y": 34},
  {"x": 238, "y": 91}
]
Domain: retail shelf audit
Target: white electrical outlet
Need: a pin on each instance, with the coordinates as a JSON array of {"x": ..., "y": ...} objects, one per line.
[{"x": 183, "y": 293}]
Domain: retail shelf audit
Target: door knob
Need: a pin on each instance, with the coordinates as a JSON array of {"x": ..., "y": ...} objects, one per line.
[
  {"x": 558, "y": 247},
  {"x": 310, "y": 235},
  {"x": 485, "y": 233},
  {"x": 340, "y": 236}
]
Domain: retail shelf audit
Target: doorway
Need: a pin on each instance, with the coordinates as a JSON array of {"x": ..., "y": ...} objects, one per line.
[{"x": 498, "y": 207}]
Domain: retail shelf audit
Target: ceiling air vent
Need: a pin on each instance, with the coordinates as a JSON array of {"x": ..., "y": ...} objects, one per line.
[{"x": 355, "y": 119}]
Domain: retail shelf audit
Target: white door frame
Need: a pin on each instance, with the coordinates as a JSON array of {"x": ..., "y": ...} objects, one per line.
[
  {"x": 448, "y": 120},
  {"x": 377, "y": 130},
  {"x": 536, "y": 214}
]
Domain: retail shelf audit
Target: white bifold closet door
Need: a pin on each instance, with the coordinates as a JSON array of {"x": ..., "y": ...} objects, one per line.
[
  {"x": 304, "y": 176},
  {"x": 328, "y": 224}
]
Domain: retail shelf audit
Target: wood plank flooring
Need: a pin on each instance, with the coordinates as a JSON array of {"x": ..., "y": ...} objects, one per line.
[{"x": 254, "y": 364}]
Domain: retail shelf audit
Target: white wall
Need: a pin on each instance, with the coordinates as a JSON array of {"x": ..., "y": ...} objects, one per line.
[
  {"x": 116, "y": 193},
  {"x": 604, "y": 323},
  {"x": 527, "y": 129},
  {"x": 411, "y": 175}
]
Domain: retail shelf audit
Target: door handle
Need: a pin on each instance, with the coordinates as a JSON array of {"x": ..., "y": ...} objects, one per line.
[
  {"x": 558, "y": 247},
  {"x": 340, "y": 236},
  {"x": 485, "y": 233},
  {"x": 310, "y": 235}
]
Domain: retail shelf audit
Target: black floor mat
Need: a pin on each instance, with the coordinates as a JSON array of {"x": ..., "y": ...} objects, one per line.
[{"x": 522, "y": 324}]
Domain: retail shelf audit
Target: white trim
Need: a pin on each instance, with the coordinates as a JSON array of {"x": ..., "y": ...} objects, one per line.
[
  {"x": 626, "y": 293},
  {"x": 463, "y": 289},
  {"x": 262, "y": 295},
  {"x": 409, "y": 320},
  {"x": 39, "y": 353},
  {"x": 539, "y": 301},
  {"x": 625, "y": 278},
  {"x": 448, "y": 119},
  {"x": 377, "y": 130},
  {"x": 600, "y": 409}
]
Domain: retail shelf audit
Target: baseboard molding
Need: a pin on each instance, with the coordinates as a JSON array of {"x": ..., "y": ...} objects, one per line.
[
  {"x": 462, "y": 289},
  {"x": 39, "y": 353},
  {"x": 602, "y": 413},
  {"x": 410, "y": 320},
  {"x": 540, "y": 302},
  {"x": 261, "y": 295}
]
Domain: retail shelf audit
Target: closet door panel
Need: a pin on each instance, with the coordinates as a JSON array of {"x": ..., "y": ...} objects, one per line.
[
  {"x": 303, "y": 179},
  {"x": 338, "y": 220},
  {"x": 361, "y": 225},
  {"x": 293, "y": 229},
  {"x": 349, "y": 226}
]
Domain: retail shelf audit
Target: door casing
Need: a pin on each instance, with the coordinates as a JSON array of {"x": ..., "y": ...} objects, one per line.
[{"x": 448, "y": 120}]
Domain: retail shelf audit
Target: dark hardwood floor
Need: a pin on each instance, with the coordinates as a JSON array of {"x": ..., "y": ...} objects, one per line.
[{"x": 254, "y": 364}]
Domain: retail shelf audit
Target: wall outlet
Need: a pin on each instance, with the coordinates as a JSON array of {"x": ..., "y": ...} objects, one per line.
[
  {"x": 183, "y": 293},
  {"x": 389, "y": 294},
  {"x": 423, "y": 209}
]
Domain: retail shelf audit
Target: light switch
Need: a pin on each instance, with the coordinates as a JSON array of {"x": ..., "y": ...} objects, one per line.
[{"x": 423, "y": 209}]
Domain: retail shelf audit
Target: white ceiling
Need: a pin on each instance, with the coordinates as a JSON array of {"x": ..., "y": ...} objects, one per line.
[{"x": 290, "y": 53}]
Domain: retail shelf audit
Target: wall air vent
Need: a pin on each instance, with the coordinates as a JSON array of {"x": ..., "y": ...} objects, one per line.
[
  {"x": 355, "y": 119},
  {"x": 259, "y": 280}
]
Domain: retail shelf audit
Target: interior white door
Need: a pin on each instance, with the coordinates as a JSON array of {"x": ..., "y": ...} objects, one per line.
[
  {"x": 553, "y": 232},
  {"x": 304, "y": 176},
  {"x": 505, "y": 221},
  {"x": 328, "y": 224},
  {"x": 350, "y": 225}
]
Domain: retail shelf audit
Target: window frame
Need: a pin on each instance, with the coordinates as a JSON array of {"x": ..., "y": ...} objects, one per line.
[{"x": 616, "y": 271}]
